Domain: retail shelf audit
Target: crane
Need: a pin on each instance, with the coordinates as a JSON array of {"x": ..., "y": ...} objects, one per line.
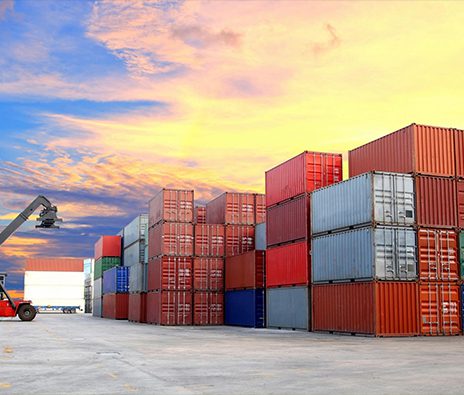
[{"x": 47, "y": 217}]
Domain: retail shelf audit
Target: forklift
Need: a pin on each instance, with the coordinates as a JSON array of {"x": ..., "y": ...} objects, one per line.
[{"x": 47, "y": 217}]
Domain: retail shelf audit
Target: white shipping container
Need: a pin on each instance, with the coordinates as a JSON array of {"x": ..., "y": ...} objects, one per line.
[
  {"x": 371, "y": 198},
  {"x": 135, "y": 230},
  {"x": 53, "y": 278}
]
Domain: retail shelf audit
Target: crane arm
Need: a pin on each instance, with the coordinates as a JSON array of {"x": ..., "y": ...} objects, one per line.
[{"x": 47, "y": 217}]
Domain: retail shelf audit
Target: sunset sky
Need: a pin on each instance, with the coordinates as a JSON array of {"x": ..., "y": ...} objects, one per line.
[{"x": 102, "y": 103}]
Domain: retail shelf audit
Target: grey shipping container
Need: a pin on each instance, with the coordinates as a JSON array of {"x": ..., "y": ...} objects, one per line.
[
  {"x": 138, "y": 277},
  {"x": 97, "y": 307},
  {"x": 288, "y": 308},
  {"x": 135, "y": 253},
  {"x": 371, "y": 253},
  {"x": 260, "y": 237},
  {"x": 97, "y": 288},
  {"x": 135, "y": 230},
  {"x": 371, "y": 198},
  {"x": 145, "y": 254}
]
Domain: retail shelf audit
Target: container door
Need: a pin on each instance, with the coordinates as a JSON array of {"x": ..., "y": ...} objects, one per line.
[
  {"x": 461, "y": 252},
  {"x": 404, "y": 207},
  {"x": 383, "y": 198},
  {"x": 385, "y": 267},
  {"x": 405, "y": 253},
  {"x": 429, "y": 309},
  {"x": 449, "y": 300}
]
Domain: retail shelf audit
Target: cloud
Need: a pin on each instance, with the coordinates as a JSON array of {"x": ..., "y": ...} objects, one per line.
[
  {"x": 333, "y": 42},
  {"x": 6, "y": 6},
  {"x": 199, "y": 37}
]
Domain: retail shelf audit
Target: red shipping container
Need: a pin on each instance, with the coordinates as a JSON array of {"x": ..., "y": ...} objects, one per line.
[
  {"x": 289, "y": 221},
  {"x": 137, "y": 307},
  {"x": 245, "y": 271},
  {"x": 209, "y": 240},
  {"x": 439, "y": 309},
  {"x": 115, "y": 306},
  {"x": 414, "y": 149},
  {"x": 438, "y": 255},
  {"x": 54, "y": 265},
  {"x": 172, "y": 205},
  {"x": 239, "y": 239},
  {"x": 169, "y": 308},
  {"x": 288, "y": 265},
  {"x": 170, "y": 238},
  {"x": 303, "y": 173},
  {"x": 108, "y": 246},
  {"x": 459, "y": 151},
  {"x": 172, "y": 273},
  {"x": 460, "y": 202},
  {"x": 199, "y": 215},
  {"x": 208, "y": 274},
  {"x": 231, "y": 208},
  {"x": 386, "y": 308},
  {"x": 208, "y": 308},
  {"x": 260, "y": 208},
  {"x": 436, "y": 203}
]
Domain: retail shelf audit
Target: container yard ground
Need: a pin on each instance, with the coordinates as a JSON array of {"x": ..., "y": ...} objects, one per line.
[{"x": 88, "y": 355}]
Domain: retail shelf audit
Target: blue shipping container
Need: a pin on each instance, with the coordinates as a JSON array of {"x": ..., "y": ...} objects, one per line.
[
  {"x": 245, "y": 308},
  {"x": 116, "y": 280}
]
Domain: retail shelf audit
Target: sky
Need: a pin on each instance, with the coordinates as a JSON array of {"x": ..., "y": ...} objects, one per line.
[{"x": 104, "y": 102}]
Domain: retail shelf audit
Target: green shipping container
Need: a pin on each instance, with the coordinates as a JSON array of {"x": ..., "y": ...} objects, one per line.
[
  {"x": 103, "y": 264},
  {"x": 461, "y": 252}
]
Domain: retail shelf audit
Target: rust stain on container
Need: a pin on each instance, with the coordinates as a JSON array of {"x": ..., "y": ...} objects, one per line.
[
  {"x": 436, "y": 202},
  {"x": 370, "y": 308},
  {"x": 415, "y": 149}
]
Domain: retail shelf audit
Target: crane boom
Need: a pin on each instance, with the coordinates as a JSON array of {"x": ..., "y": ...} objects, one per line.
[{"x": 47, "y": 217}]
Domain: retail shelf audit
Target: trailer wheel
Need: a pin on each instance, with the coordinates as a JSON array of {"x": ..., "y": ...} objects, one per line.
[{"x": 26, "y": 312}]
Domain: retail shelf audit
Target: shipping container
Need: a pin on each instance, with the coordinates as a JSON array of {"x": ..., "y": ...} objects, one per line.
[
  {"x": 54, "y": 265},
  {"x": 105, "y": 263},
  {"x": 436, "y": 202},
  {"x": 260, "y": 237},
  {"x": 171, "y": 238},
  {"x": 209, "y": 240},
  {"x": 245, "y": 271},
  {"x": 138, "y": 277},
  {"x": 199, "y": 215},
  {"x": 368, "y": 308},
  {"x": 260, "y": 208},
  {"x": 137, "y": 311},
  {"x": 170, "y": 273},
  {"x": 288, "y": 221},
  {"x": 414, "y": 149},
  {"x": 438, "y": 254},
  {"x": 381, "y": 253},
  {"x": 208, "y": 308},
  {"x": 372, "y": 198},
  {"x": 460, "y": 203},
  {"x": 108, "y": 246},
  {"x": 135, "y": 230},
  {"x": 231, "y": 208},
  {"x": 288, "y": 265},
  {"x": 208, "y": 274},
  {"x": 302, "y": 174},
  {"x": 97, "y": 307},
  {"x": 245, "y": 308},
  {"x": 239, "y": 239},
  {"x": 98, "y": 288},
  {"x": 115, "y": 306},
  {"x": 439, "y": 308},
  {"x": 169, "y": 308},
  {"x": 461, "y": 290},
  {"x": 459, "y": 152},
  {"x": 135, "y": 253},
  {"x": 461, "y": 252},
  {"x": 171, "y": 205},
  {"x": 288, "y": 308},
  {"x": 116, "y": 280}
]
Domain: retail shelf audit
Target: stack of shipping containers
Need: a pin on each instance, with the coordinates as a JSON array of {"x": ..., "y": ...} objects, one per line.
[
  {"x": 434, "y": 157},
  {"x": 170, "y": 255},
  {"x": 135, "y": 243},
  {"x": 88, "y": 284},
  {"x": 288, "y": 267},
  {"x": 115, "y": 285},
  {"x": 107, "y": 255},
  {"x": 364, "y": 265}
]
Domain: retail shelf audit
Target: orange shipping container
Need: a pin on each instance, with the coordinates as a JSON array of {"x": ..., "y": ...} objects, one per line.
[
  {"x": 172, "y": 205},
  {"x": 209, "y": 240},
  {"x": 170, "y": 238},
  {"x": 115, "y": 306},
  {"x": 459, "y": 151},
  {"x": 172, "y": 273},
  {"x": 199, "y": 215},
  {"x": 108, "y": 246},
  {"x": 384, "y": 308},
  {"x": 439, "y": 309},
  {"x": 239, "y": 239},
  {"x": 245, "y": 271},
  {"x": 208, "y": 308},
  {"x": 460, "y": 203},
  {"x": 231, "y": 208},
  {"x": 208, "y": 274},
  {"x": 54, "y": 265},
  {"x": 137, "y": 311},
  {"x": 260, "y": 208},
  {"x": 169, "y": 308},
  {"x": 438, "y": 255},
  {"x": 414, "y": 149}
]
